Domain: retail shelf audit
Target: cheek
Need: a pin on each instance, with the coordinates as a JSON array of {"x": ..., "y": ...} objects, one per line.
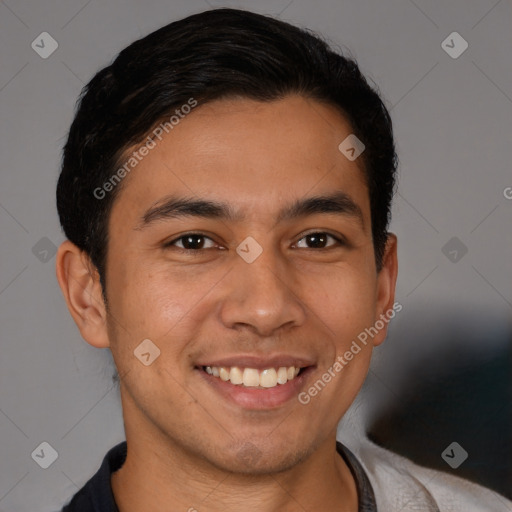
[
  {"x": 345, "y": 299},
  {"x": 154, "y": 303},
  {"x": 157, "y": 307}
]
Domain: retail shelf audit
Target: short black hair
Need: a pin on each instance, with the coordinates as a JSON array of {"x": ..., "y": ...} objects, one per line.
[{"x": 216, "y": 54}]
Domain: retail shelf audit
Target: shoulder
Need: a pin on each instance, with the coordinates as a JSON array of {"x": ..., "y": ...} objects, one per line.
[{"x": 400, "y": 484}]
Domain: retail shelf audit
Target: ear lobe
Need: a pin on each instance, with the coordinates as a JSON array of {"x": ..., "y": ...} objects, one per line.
[
  {"x": 81, "y": 287},
  {"x": 385, "y": 291}
]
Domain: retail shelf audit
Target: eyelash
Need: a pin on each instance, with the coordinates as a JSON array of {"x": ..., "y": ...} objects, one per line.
[{"x": 339, "y": 241}]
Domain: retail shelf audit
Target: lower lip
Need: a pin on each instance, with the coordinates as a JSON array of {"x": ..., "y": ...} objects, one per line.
[{"x": 257, "y": 398}]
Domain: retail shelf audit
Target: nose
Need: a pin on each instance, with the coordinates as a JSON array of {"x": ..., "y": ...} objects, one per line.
[{"x": 262, "y": 296}]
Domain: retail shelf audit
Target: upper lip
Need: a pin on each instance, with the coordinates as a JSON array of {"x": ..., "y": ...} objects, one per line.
[{"x": 259, "y": 362}]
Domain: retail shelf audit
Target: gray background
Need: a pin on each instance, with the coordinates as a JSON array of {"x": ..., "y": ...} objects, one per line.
[{"x": 453, "y": 128}]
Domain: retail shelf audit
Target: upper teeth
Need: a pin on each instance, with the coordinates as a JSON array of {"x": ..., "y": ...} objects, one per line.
[{"x": 251, "y": 377}]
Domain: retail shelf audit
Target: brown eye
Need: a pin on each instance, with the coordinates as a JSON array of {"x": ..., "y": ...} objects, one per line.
[
  {"x": 191, "y": 241},
  {"x": 319, "y": 240}
]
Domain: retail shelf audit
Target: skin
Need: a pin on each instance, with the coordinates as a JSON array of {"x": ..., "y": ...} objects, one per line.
[{"x": 187, "y": 446}]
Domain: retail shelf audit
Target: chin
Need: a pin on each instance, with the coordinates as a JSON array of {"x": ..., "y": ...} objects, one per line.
[{"x": 248, "y": 458}]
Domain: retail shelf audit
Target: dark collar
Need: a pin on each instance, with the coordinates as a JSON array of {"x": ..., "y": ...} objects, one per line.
[
  {"x": 97, "y": 495},
  {"x": 365, "y": 494}
]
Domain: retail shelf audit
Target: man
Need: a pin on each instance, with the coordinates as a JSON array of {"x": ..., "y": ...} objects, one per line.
[{"x": 225, "y": 192}]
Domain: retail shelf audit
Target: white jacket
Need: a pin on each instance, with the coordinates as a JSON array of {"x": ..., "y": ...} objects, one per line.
[{"x": 400, "y": 485}]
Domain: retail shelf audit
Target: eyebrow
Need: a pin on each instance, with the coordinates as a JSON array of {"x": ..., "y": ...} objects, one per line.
[{"x": 173, "y": 207}]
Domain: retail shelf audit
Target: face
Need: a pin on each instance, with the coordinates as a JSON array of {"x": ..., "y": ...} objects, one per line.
[{"x": 219, "y": 255}]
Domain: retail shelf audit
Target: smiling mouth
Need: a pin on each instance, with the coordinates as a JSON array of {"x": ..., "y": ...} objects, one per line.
[{"x": 252, "y": 377}]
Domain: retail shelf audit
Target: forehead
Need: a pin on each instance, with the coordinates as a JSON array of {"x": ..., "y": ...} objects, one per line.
[{"x": 254, "y": 155}]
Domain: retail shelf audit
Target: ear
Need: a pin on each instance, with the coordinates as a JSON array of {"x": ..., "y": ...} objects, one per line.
[
  {"x": 385, "y": 290},
  {"x": 80, "y": 284}
]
